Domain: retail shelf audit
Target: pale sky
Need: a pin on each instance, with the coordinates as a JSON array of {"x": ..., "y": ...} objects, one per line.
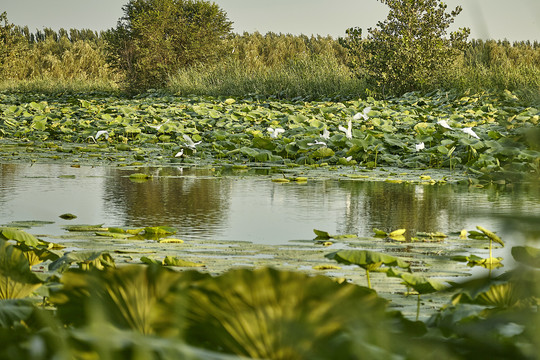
[{"x": 488, "y": 19}]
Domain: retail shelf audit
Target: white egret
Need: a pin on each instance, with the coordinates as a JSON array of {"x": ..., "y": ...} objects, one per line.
[
  {"x": 444, "y": 124},
  {"x": 420, "y": 146},
  {"x": 363, "y": 114},
  {"x": 317, "y": 142},
  {"x": 275, "y": 132},
  {"x": 470, "y": 131},
  {"x": 348, "y": 131},
  {"x": 180, "y": 153},
  {"x": 326, "y": 134}
]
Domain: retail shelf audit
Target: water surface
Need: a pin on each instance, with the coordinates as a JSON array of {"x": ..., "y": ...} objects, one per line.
[{"x": 242, "y": 207}]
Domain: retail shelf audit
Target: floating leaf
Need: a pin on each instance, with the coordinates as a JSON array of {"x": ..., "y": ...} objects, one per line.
[
  {"x": 396, "y": 233},
  {"x": 326, "y": 267},
  {"x": 174, "y": 261},
  {"x": 83, "y": 228},
  {"x": 68, "y": 216},
  {"x": 160, "y": 230},
  {"x": 171, "y": 241}
]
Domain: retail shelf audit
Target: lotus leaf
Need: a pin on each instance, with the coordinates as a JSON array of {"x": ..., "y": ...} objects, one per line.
[
  {"x": 147, "y": 299},
  {"x": 527, "y": 255},
  {"x": 273, "y": 314},
  {"x": 16, "y": 279},
  {"x": 368, "y": 260},
  {"x": 19, "y": 235}
]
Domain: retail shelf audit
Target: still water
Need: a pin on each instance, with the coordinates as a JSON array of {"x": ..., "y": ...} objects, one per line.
[{"x": 243, "y": 207}]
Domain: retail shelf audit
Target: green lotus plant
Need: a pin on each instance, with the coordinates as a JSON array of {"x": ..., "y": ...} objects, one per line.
[
  {"x": 492, "y": 237},
  {"x": 421, "y": 284},
  {"x": 367, "y": 260}
]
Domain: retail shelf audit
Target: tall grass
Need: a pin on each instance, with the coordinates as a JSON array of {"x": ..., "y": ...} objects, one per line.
[
  {"x": 285, "y": 66},
  {"x": 314, "y": 77}
]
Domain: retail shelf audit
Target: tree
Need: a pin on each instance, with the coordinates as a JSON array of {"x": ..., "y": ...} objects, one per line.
[
  {"x": 409, "y": 50},
  {"x": 11, "y": 46},
  {"x": 155, "y": 38}
]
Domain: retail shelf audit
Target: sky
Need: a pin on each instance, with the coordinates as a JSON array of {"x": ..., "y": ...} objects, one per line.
[{"x": 488, "y": 19}]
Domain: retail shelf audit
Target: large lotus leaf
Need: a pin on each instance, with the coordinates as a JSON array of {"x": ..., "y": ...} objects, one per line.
[
  {"x": 14, "y": 311},
  {"x": 19, "y": 236},
  {"x": 527, "y": 255},
  {"x": 421, "y": 284},
  {"x": 491, "y": 292},
  {"x": 16, "y": 279},
  {"x": 263, "y": 143},
  {"x": 148, "y": 299},
  {"x": 273, "y": 314},
  {"x": 369, "y": 260}
]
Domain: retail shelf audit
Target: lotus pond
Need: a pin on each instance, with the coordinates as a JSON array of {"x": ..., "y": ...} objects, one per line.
[{"x": 430, "y": 201}]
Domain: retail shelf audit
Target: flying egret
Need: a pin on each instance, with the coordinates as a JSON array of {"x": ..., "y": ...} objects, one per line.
[
  {"x": 363, "y": 114},
  {"x": 470, "y": 131},
  {"x": 157, "y": 127},
  {"x": 189, "y": 143},
  {"x": 444, "y": 124},
  {"x": 275, "y": 132},
  {"x": 105, "y": 134},
  {"x": 348, "y": 131}
]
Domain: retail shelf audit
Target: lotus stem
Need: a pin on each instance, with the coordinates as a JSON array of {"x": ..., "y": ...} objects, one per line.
[
  {"x": 418, "y": 308},
  {"x": 368, "y": 280}
]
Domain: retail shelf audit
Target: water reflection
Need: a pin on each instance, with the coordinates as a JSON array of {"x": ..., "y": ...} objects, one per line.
[
  {"x": 192, "y": 200},
  {"x": 251, "y": 208}
]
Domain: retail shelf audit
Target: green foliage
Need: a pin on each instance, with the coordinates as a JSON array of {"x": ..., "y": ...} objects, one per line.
[
  {"x": 409, "y": 50},
  {"x": 156, "y": 38}
]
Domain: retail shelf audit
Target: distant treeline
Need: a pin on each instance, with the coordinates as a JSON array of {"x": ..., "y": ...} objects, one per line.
[{"x": 255, "y": 63}]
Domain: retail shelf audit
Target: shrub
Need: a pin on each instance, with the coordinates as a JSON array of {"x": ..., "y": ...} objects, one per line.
[{"x": 409, "y": 50}]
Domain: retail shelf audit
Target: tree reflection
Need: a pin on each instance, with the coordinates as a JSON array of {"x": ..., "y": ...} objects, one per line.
[{"x": 191, "y": 200}]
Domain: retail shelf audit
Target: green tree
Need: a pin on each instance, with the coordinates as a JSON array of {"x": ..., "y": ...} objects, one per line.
[
  {"x": 409, "y": 50},
  {"x": 11, "y": 46},
  {"x": 155, "y": 38}
]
